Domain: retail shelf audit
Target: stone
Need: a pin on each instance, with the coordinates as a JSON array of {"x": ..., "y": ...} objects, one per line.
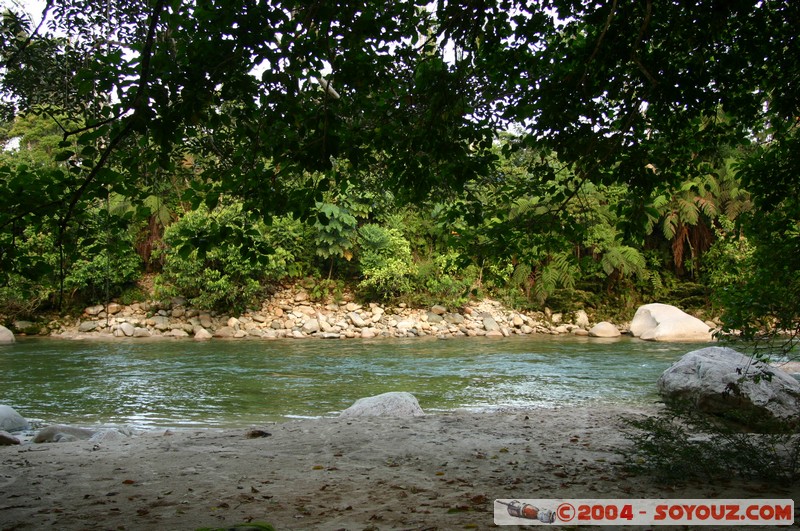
[
  {"x": 367, "y": 333},
  {"x": 581, "y": 319},
  {"x": 329, "y": 335},
  {"x": 715, "y": 380},
  {"x": 224, "y": 332},
  {"x": 87, "y": 326},
  {"x": 178, "y": 312},
  {"x": 6, "y": 439},
  {"x": 438, "y": 309},
  {"x": 127, "y": 329},
  {"x": 141, "y": 332},
  {"x": 62, "y": 433},
  {"x": 662, "y": 322},
  {"x": 6, "y": 336},
  {"x": 159, "y": 322},
  {"x": 10, "y": 420},
  {"x": 233, "y": 322},
  {"x": 301, "y": 296},
  {"x": 393, "y": 404},
  {"x": 356, "y": 319},
  {"x": 490, "y": 324},
  {"x": 205, "y": 320},
  {"x": 202, "y": 334},
  {"x": 352, "y": 306},
  {"x": 454, "y": 318},
  {"x": 311, "y": 326},
  {"x": 177, "y": 332},
  {"x": 434, "y": 317},
  {"x": 406, "y": 324},
  {"x": 113, "y": 308},
  {"x": 94, "y": 310},
  {"x": 604, "y": 329},
  {"x": 517, "y": 321},
  {"x": 494, "y": 333}
]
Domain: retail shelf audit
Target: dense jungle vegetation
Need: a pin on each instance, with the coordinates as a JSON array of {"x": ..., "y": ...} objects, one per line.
[{"x": 567, "y": 154}]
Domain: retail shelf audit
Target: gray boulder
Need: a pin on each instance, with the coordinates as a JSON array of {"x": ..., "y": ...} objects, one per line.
[
  {"x": 62, "y": 433},
  {"x": 662, "y": 322},
  {"x": 394, "y": 404},
  {"x": 604, "y": 329},
  {"x": 6, "y": 336},
  {"x": 720, "y": 381},
  {"x": 10, "y": 420}
]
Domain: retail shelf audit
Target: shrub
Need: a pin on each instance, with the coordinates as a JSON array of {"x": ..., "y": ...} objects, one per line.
[
  {"x": 680, "y": 444},
  {"x": 217, "y": 259},
  {"x": 386, "y": 263}
]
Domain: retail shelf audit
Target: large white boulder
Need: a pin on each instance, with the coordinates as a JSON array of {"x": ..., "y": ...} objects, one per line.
[
  {"x": 722, "y": 381},
  {"x": 394, "y": 404},
  {"x": 662, "y": 322},
  {"x": 6, "y": 336}
]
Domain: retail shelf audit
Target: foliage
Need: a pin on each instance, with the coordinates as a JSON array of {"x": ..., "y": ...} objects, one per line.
[
  {"x": 680, "y": 444},
  {"x": 222, "y": 276},
  {"x": 385, "y": 262}
]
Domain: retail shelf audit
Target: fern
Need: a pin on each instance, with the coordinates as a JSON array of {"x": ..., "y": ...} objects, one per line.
[{"x": 625, "y": 260}]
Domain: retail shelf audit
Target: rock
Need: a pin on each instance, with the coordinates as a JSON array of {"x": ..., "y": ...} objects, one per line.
[
  {"x": 87, "y": 326},
  {"x": 356, "y": 319},
  {"x": 711, "y": 380},
  {"x": 127, "y": 329},
  {"x": 517, "y": 321},
  {"x": 489, "y": 324},
  {"x": 177, "y": 332},
  {"x": 604, "y": 329},
  {"x": 662, "y": 322},
  {"x": 580, "y": 332},
  {"x": 394, "y": 404},
  {"x": 205, "y": 320},
  {"x": 113, "y": 308},
  {"x": 454, "y": 318},
  {"x": 438, "y": 309},
  {"x": 352, "y": 306},
  {"x": 224, "y": 332},
  {"x": 10, "y": 420},
  {"x": 6, "y": 336},
  {"x": 581, "y": 319},
  {"x": 94, "y": 310},
  {"x": 434, "y": 317},
  {"x": 311, "y": 326},
  {"x": 141, "y": 332},
  {"x": 494, "y": 333},
  {"x": 367, "y": 333},
  {"x": 6, "y": 439},
  {"x": 62, "y": 433},
  {"x": 330, "y": 335},
  {"x": 159, "y": 322},
  {"x": 178, "y": 312},
  {"x": 202, "y": 334}
]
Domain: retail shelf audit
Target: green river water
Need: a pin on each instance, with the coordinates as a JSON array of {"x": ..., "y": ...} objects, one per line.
[{"x": 183, "y": 383}]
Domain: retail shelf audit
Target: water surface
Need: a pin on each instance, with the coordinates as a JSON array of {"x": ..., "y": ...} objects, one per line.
[{"x": 183, "y": 383}]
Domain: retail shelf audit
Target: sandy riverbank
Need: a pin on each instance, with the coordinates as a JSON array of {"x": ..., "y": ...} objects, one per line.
[{"x": 434, "y": 472}]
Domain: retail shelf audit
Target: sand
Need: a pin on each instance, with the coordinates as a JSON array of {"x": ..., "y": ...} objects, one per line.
[{"x": 437, "y": 472}]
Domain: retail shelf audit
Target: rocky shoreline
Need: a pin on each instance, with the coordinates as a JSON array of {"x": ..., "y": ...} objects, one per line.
[{"x": 291, "y": 313}]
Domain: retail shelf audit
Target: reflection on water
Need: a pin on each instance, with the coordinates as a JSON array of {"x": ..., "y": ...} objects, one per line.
[{"x": 236, "y": 383}]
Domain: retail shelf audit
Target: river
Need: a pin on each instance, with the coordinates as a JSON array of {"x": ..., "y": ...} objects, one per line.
[{"x": 183, "y": 383}]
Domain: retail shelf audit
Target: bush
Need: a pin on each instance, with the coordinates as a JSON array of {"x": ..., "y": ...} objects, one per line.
[
  {"x": 385, "y": 262},
  {"x": 680, "y": 444},
  {"x": 217, "y": 259}
]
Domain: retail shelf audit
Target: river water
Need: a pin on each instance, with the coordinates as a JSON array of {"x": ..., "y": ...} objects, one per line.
[{"x": 183, "y": 383}]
